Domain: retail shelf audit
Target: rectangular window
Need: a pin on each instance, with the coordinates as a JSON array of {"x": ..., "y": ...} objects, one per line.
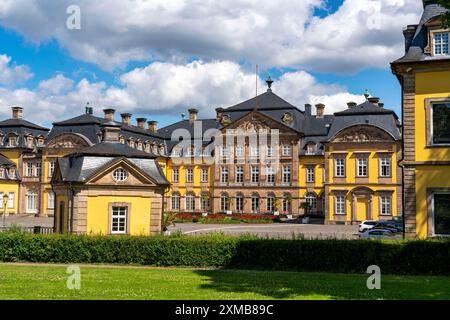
[
  {"x": 254, "y": 151},
  {"x": 224, "y": 152},
  {"x": 205, "y": 202},
  {"x": 310, "y": 175},
  {"x": 286, "y": 174},
  {"x": 224, "y": 175},
  {"x": 270, "y": 175},
  {"x": 189, "y": 175},
  {"x": 38, "y": 169},
  {"x": 1, "y": 200},
  {"x": 11, "y": 197},
  {"x": 287, "y": 150},
  {"x": 50, "y": 200},
  {"x": 119, "y": 220},
  {"x": 270, "y": 206},
  {"x": 205, "y": 175},
  {"x": 362, "y": 167},
  {"x": 270, "y": 151},
  {"x": 2, "y": 173},
  {"x": 310, "y": 149},
  {"x": 190, "y": 202},
  {"x": 176, "y": 175},
  {"x": 239, "y": 203},
  {"x": 29, "y": 169},
  {"x": 339, "y": 202},
  {"x": 385, "y": 167},
  {"x": 385, "y": 204},
  {"x": 239, "y": 151},
  {"x": 441, "y": 43},
  {"x": 441, "y": 123},
  {"x": 224, "y": 203},
  {"x": 51, "y": 168},
  {"x": 239, "y": 175},
  {"x": 441, "y": 213},
  {"x": 339, "y": 170},
  {"x": 255, "y": 174}
]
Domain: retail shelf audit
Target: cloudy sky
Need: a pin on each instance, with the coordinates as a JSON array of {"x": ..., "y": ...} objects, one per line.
[{"x": 157, "y": 58}]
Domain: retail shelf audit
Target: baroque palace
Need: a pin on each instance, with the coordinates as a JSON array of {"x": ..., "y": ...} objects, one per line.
[{"x": 101, "y": 175}]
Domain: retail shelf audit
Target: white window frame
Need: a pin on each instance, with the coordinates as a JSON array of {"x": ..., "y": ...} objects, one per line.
[
  {"x": 175, "y": 201},
  {"x": 311, "y": 149},
  {"x": 362, "y": 170},
  {"x": 11, "y": 199},
  {"x": 441, "y": 44},
  {"x": 385, "y": 163},
  {"x": 205, "y": 175},
  {"x": 38, "y": 169},
  {"x": 224, "y": 175},
  {"x": 271, "y": 151},
  {"x": 271, "y": 175},
  {"x": 255, "y": 178},
  {"x": 29, "y": 170},
  {"x": 256, "y": 204},
  {"x": 287, "y": 150},
  {"x": 51, "y": 168},
  {"x": 239, "y": 174},
  {"x": 254, "y": 151},
  {"x": 120, "y": 175},
  {"x": 287, "y": 174},
  {"x": 270, "y": 204},
  {"x": 311, "y": 199},
  {"x": 224, "y": 203},
  {"x": 224, "y": 152},
  {"x": 119, "y": 214},
  {"x": 32, "y": 202},
  {"x": 339, "y": 168},
  {"x": 50, "y": 200},
  {"x": 175, "y": 175},
  {"x": 189, "y": 175},
  {"x": 189, "y": 202},
  {"x": 310, "y": 174},
  {"x": 385, "y": 206},
  {"x": 432, "y": 124},
  {"x": 239, "y": 151},
  {"x": 239, "y": 203},
  {"x": 340, "y": 204}
]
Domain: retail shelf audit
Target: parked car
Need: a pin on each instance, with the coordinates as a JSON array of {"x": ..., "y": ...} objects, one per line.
[
  {"x": 388, "y": 225},
  {"x": 377, "y": 234},
  {"x": 366, "y": 225}
]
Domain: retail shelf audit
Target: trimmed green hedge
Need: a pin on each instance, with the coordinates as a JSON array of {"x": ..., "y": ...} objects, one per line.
[{"x": 352, "y": 256}]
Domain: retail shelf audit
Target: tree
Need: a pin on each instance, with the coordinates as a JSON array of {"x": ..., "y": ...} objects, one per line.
[
  {"x": 169, "y": 219},
  {"x": 446, "y": 16},
  {"x": 306, "y": 207}
]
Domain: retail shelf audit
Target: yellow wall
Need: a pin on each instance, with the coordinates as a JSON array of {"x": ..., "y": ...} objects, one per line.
[
  {"x": 317, "y": 187},
  {"x": 98, "y": 214},
  {"x": 6, "y": 188},
  {"x": 428, "y": 85}
]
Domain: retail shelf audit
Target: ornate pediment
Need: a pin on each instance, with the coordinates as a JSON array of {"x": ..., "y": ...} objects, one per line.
[
  {"x": 67, "y": 141},
  {"x": 362, "y": 134},
  {"x": 254, "y": 124}
]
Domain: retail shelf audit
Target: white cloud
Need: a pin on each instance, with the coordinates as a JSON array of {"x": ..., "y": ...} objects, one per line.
[
  {"x": 283, "y": 33},
  {"x": 167, "y": 88},
  {"x": 11, "y": 74}
]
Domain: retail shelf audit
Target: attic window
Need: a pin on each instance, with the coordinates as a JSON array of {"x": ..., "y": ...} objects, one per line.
[
  {"x": 441, "y": 43},
  {"x": 311, "y": 149},
  {"x": 120, "y": 175},
  {"x": 12, "y": 141}
]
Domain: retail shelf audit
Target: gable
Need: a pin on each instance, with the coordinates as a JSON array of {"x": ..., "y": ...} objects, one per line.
[
  {"x": 362, "y": 133},
  {"x": 256, "y": 122},
  {"x": 68, "y": 141},
  {"x": 135, "y": 176}
]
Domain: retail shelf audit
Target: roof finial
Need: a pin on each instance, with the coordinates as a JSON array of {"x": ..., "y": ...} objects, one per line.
[
  {"x": 269, "y": 82},
  {"x": 88, "y": 108},
  {"x": 367, "y": 94},
  {"x": 183, "y": 115}
]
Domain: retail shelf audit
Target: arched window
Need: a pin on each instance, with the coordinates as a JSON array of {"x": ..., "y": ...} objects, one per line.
[
  {"x": 239, "y": 202},
  {"x": 32, "y": 202},
  {"x": 224, "y": 202},
  {"x": 205, "y": 201},
  {"x": 175, "y": 201},
  {"x": 120, "y": 175},
  {"x": 287, "y": 203},
  {"x": 271, "y": 202},
  {"x": 190, "y": 202},
  {"x": 311, "y": 199},
  {"x": 255, "y": 203}
]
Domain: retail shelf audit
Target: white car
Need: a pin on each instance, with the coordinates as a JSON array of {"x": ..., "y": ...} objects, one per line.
[
  {"x": 367, "y": 225},
  {"x": 378, "y": 234}
]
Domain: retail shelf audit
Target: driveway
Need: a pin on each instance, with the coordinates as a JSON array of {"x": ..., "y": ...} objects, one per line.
[{"x": 276, "y": 230}]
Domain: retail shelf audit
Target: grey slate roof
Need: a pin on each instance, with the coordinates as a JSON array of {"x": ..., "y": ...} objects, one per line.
[
  {"x": 20, "y": 128},
  {"x": 5, "y": 162},
  {"x": 366, "y": 114},
  {"x": 79, "y": 166},
  {"x": 420, "y": 40}
]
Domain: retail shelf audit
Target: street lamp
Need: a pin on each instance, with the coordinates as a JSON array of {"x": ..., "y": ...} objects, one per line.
[{"x": 5, "y": 204}]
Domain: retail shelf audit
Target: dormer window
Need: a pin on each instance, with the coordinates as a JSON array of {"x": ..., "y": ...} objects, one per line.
[
  {"x": 311, "y": 149},
  {"x": 441, "y": 43},
  {"x": 12, "y": 141}
]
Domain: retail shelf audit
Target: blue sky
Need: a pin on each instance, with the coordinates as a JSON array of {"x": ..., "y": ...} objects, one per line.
[{"x": 140, "y": 68}]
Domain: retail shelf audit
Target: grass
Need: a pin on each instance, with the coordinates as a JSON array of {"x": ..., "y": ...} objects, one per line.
[{"x": 18, "y": 281}]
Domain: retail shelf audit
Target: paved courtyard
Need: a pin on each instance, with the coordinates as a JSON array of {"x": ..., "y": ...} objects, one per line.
[{"x": 276, "y": 230}]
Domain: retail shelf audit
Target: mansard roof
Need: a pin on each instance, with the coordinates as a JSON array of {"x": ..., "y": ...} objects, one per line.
[
  {"x": 415, "y": 46},
  {"x": 20, "y": 128}
]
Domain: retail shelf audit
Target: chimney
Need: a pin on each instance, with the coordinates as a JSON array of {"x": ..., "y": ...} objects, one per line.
[
  {"x": 152, "y": 126},
  {"x": 374, "y": 100},
  {"x": 141, "y": 122},
  {"x": 409, "y": 33},
  {"x": 109, "y": 114},
  {"x": 192, "y": 115},
  {"x": 126, "y": 118},
  {"x": 308, "y": 109},
  {"x": 110, "y": 132},
  {"x": 219, "y": 112},
  {"x": 320, "y": 108},
  {"x": 351, "y": 104},
  {"x": 17, "y": 112}
]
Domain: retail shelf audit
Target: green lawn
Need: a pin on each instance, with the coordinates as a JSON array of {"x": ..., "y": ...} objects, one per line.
[{"x": 103, "y": 282}]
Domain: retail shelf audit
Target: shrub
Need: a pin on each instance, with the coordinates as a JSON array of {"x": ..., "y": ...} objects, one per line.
[{"x": 245, "y": 252}]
